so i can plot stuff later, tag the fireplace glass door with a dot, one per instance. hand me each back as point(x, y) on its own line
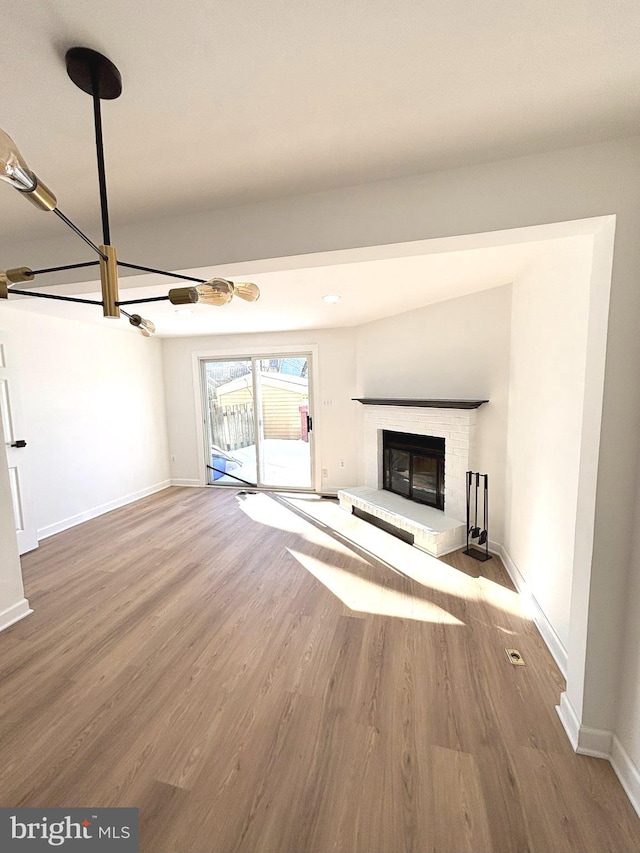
point(398, 472)
point(425, 479)
point(413, 466)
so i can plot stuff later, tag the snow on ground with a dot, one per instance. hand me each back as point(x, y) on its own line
point(285, 463)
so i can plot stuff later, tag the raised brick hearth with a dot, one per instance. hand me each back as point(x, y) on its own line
point(436, 532)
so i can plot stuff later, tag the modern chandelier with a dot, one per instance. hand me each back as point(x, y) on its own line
point(98, 76)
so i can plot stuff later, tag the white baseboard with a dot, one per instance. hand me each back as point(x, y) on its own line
point(595, 742)
point(569, 720)
point(627, 772)
point(191, 483)
point(66, 523)
point(14, 613)
point(495, 548)
point(599, 743)
point(547, 632)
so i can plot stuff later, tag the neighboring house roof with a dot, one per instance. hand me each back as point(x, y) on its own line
point(283, 381)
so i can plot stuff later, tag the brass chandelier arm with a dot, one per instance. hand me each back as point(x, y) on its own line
point(41, 195)
point(109, 282)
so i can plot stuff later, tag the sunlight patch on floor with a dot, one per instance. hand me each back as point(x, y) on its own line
point(421, 567)
point(429, 572)
point(263, 509)
point(365, 596)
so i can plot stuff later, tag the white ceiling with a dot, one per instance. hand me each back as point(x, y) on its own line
point(291, 297)
point(233, 102)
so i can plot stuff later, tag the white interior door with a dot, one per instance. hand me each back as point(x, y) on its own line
point(16, 449)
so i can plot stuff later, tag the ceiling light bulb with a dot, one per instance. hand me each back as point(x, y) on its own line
point(217, 291)
point(15, 171)
point(146, 327)
point(331, 298)
point(13, 168)
point(246, 290)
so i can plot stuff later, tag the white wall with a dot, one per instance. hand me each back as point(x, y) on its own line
point(458, 348)
point(570, 184)
point(546, 395)
point(94, 420)
point(336, 415)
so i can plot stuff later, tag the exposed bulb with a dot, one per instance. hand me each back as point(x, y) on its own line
point(216, 291)
point(246, 290)
point(13, 168)
point(5, 284)
point(146, 327)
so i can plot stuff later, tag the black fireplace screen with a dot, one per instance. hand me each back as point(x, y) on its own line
point(413, 466)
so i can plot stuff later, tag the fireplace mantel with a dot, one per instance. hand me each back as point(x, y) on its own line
point(424, 404)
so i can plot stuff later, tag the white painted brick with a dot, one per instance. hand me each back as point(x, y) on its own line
point(456, 426)
point(460, 442)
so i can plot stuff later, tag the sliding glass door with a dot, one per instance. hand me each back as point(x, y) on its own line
point(259, 424)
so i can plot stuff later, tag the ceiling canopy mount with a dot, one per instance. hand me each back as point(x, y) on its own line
point(93, 73)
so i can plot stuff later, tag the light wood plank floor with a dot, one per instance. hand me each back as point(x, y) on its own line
point(191, 654)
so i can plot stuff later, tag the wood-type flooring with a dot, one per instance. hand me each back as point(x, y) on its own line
point(251, 683)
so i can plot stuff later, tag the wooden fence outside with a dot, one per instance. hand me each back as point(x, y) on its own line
point(232, 427)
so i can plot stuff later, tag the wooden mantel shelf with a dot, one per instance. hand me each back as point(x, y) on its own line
point(426, 404)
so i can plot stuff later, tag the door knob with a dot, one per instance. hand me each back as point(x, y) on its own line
point(20, 443)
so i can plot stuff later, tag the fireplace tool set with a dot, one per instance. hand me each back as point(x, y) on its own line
point(474, 531)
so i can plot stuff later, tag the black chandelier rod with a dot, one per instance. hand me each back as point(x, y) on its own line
point(65, 267)
point(162, 272)
point(140, 301)
point(40, 295)
point(102, 176)
point(233, 476)
point(80, 233)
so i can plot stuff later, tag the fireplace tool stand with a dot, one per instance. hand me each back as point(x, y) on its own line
point(473, 530)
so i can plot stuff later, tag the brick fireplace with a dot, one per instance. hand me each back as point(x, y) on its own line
point(454, 421)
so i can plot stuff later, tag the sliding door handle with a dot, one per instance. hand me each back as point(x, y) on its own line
point(20, 443)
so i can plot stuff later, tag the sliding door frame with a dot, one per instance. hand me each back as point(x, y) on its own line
point(231, 354)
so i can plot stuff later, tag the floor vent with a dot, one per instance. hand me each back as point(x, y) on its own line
point(515, 657)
